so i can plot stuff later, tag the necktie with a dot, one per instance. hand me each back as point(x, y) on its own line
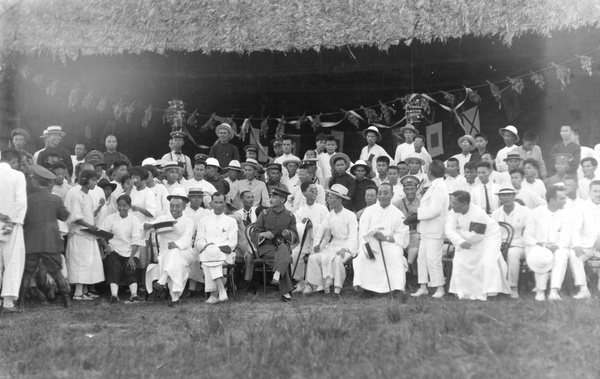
point(248, 216)
point(488, 210)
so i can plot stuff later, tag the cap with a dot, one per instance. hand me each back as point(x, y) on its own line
point(19, 131)
point(277, 141)
point(274, 166)
point(178, 134)
point(250, 162)
point(251, 148)
point(42, 172)
point(409, 179)
point(280, 192)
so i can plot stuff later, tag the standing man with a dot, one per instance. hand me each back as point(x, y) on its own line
point(483, 194)
point(381, 226)
point(432, 214)
point(54, 136)
point(516, 215)
point(112, 155)
point(481, 142)
point(372, 151)
point(175, 155)
point(78, 158)
point(286, 144)
point(467, 145)
point(566, 146)
point(13, 208)
point(223, 150)
point(258, 188)
point(510, 135)
point(335, 242)
point(478, 269)
point(274, 232)
point(403, 150)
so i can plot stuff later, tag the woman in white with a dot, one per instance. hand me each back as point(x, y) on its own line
point(143, 207)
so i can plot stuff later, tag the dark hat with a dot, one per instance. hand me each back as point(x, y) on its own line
point(178, 134)
point(162, 227)
point(230, 205)
point(96, 162)
point(277, 141)
point(280, 192)
point(251, 148)
point(409, 179)
point(105, 183)
point(200, 157)
point(563, 157)
point(42, 173)
point(19, 131)
point(274, 166)
point(94, 154)
point(513, 156)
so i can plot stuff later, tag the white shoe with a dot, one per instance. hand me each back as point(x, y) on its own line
point(439, 293)
point(583, 294)
point(212, 300)
point(420, 292)
point(540, 296)
point(307, 290)
point(514, 294)
point(554, 296)
point(223, 297)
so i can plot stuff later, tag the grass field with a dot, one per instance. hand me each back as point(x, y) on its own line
point(315, 337)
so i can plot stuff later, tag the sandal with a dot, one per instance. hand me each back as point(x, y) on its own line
point(84, 297)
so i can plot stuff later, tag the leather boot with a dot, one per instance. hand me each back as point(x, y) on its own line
point(63, 288)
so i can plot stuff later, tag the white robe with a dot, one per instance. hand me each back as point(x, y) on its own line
point(371, 274)
point(316, 213)
point(13, 203)
point(479, 271)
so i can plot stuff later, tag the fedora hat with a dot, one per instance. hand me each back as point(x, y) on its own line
point(360, 163)
point(213, 162)
point(336, 156)
point(105, 183)
point(339, 191)
point(540, 259)
point(178, 193)
point(280, 192)
point(212, 256)
point(234, 165)
point(226, 127)
point(56, 130)
point(512, 129)
point(512, 156)
point(374, 130)
point(250, 162)
point(414, 157)
point(19, 131)
point(408, 127)
point(468, 138)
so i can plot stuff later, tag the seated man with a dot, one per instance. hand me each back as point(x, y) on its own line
point(409, 205)
point(220, 230)
point(483, 194)
point(531, 199)
point(547, 239)
point(516, 216)
point(478, 270)
point(175, 253)
point(335, 242)
point(589, 238)
point(274, 232)
point(382, 227)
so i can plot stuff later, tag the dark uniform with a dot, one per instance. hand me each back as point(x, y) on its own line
point(277, 250)
point(42, 238)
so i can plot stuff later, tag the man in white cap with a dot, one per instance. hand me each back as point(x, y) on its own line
point(467, 145)
point(222, 231)
point(175, 155)
point(510, 135)
point(478, 269)
point(223, 151)
point(258, 188)
point(551, 228)
point(516, 215)
point(372, 151)
point(54, 136)
point(175, 253)
point(409, 132)
point(13, 208)
point(381, 227)
point(566, 146)
point(335, 242)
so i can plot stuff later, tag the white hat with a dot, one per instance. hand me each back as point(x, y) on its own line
point(234, 165)
point(507, 190)
point(212, 256)
point(372, 129)
point(55, 130)
point(414, 157)
point(179, 193)
point(214, 163)
point(149, 161)
point(169, 164)
point(339, 191)
point(540, 259)
point(511, 129)
point(164, 226)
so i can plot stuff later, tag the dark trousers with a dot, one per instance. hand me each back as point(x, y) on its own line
point(51, 262)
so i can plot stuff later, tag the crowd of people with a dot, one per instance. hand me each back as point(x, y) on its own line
point(74, 224)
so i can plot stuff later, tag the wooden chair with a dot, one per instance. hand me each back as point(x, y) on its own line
point(260, 265)
point(507, 241)
point(592, 271)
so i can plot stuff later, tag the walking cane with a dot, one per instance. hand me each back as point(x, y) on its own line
point(306, 229)
point(386, 270)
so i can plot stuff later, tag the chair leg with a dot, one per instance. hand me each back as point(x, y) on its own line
point(264, 280)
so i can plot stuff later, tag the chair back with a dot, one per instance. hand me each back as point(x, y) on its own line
point(507, 237)
point(248, 234)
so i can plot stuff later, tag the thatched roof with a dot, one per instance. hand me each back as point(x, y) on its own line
point(68, 28)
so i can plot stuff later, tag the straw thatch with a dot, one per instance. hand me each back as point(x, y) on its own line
point(68, 28)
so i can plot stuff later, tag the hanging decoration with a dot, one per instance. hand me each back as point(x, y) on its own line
point(473, 95)
point(538, 79)
point(353, 117)
point(450, 98)
point(192, 121)
point(496, 93)
point(516, 84)
point(174, 115)
point(280, 129)
point(74, 97)
point(209, 124)
point(371, 115)
point(246, 125)
point(562, 74)
point(264, 127)
point(386, 112)
point(147, 117)
point(315, 122)
point(129, 112)
point(52, 88)
point(586, 63)
point(119, 110)
point(87, 101)
point(415, 105)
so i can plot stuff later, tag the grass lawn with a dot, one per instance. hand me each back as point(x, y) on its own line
point(315, 337)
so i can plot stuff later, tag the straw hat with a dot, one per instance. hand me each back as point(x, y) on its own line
point(164, 226)
point(250, 162)
point(178, 193)
point(226, 127)
point(408, 127)
point(339, 191)
point(336, 156)
point(506, 190)
point(512, 156)
point(468, 138)
point(55, 130)
point(414, 157)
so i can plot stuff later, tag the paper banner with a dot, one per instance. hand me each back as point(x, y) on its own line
point(326, 124)
point(435, 145)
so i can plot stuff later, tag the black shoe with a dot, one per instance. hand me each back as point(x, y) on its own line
point(66, 299)
point(114, 299)
point(174, 304)
point(286, 299)
point(366, 294)
point(336, 296)
point(157, 286)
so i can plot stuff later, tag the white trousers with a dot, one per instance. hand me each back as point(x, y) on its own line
point(12, 262)
point(562, 257)
point(211, 273)
point(429, 261)
point(334, 274)
point(513, 260)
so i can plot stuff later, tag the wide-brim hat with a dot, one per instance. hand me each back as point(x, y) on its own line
point(540, 259)
point(251, 147)
point(19, 131)
point(234, 165)
point(295, 160)
point(149, 162)
point(280, 192)
point(513, 156)
point(226, 127)
point(213, 162)
point(339, 191)
point(178, 193)
point(164, 226)
point(506, 190)
point(250, 162)
point(414, 157)
point(55, 129)
point(178, 134)
point(195, 191)
point(42, 172)
point(44, 133)
point(212, 256)
point(374, 130)
point(336, 156)
point(105, 183)
point(512, 129)
point(360, 163)
point(408, 127)
point(410, 179)
point(468, 138)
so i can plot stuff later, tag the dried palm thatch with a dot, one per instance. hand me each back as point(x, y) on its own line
point(69, 28)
